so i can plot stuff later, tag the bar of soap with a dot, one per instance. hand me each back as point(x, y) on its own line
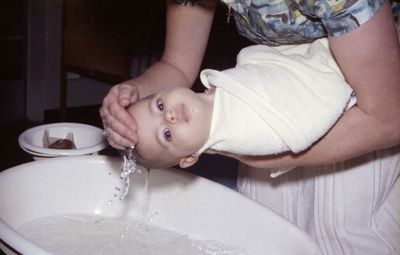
point(62, 144)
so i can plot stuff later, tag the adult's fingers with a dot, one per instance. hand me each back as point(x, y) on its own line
point(127, 95)
point(119, 132)
point(122, 122)
point(115, 140)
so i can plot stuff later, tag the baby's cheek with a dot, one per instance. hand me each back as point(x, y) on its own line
point(190, 141)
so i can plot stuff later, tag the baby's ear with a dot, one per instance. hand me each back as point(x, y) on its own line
point(188, 160)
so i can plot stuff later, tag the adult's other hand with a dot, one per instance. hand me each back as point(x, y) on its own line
point(119, 127)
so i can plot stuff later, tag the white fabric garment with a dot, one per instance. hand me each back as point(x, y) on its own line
point(276, 99)
point(349, 208)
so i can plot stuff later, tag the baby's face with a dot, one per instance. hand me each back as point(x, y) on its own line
point(172, 124)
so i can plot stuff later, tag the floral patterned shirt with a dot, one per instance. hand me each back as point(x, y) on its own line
point(275, 22)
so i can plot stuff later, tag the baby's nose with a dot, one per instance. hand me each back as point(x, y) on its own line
point(170, 115)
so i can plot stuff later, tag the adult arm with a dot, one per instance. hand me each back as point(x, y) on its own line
point(369, 58)
point(187, 33)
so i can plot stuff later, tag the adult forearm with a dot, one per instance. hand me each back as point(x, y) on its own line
point(370, 60)
point(187, 32)
point(355, 134)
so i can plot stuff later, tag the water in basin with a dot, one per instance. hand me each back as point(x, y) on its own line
point(89, 235)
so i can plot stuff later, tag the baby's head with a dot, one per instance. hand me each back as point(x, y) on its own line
point(172, 126)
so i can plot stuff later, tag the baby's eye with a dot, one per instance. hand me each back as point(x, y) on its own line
point(160, 104)
point(167, 134)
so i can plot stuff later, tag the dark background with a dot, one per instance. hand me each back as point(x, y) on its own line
point(41, 41)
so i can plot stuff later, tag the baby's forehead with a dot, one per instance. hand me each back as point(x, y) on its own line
point(155, 158)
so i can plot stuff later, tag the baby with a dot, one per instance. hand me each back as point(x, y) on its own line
point(275, 100)
point(172, 126)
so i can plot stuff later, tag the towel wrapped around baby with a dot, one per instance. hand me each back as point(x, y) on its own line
point(276, 99)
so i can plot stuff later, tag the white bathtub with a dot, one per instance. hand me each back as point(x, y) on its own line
point(177, 201)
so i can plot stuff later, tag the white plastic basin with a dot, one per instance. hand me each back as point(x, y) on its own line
point(177, 201)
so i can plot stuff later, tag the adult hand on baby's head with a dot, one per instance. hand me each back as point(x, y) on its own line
point(119, 126)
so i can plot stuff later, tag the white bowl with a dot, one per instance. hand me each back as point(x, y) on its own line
point(88, 139)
